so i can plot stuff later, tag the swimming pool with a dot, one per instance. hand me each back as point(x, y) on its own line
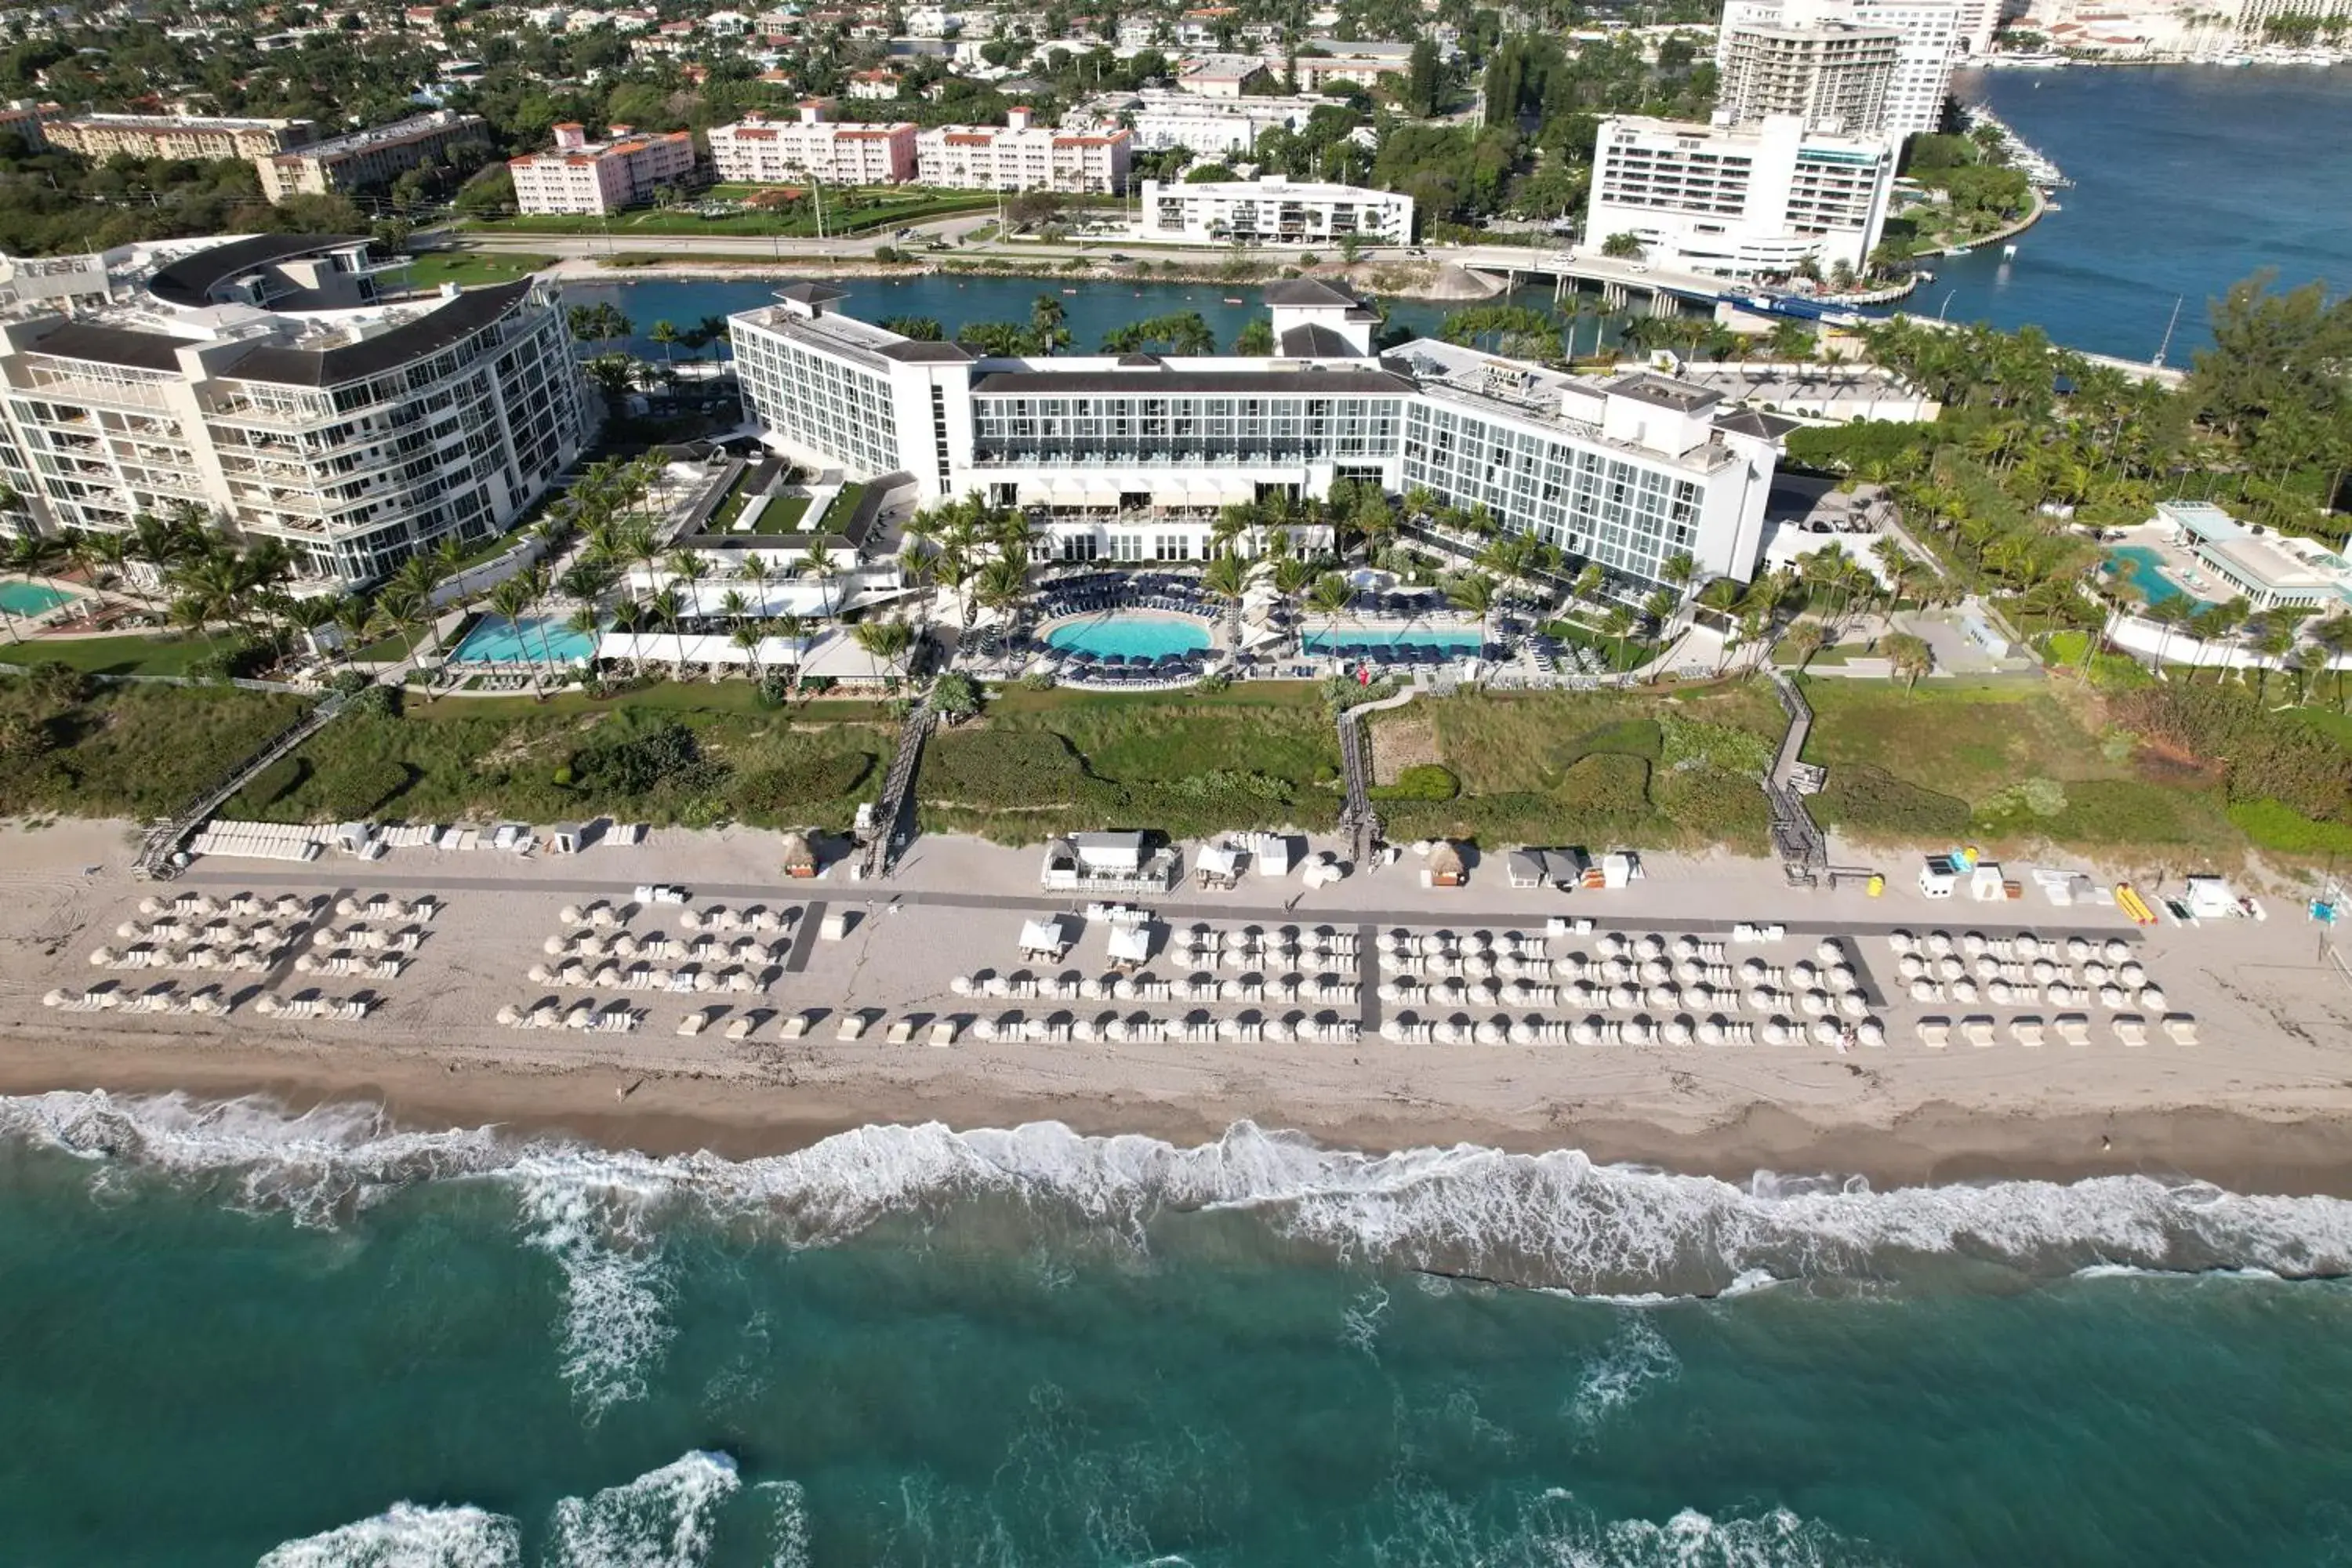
point(2143, 569)
point(1333, 639)
point(19, 597)
point(1131, 634)
point(534, 639)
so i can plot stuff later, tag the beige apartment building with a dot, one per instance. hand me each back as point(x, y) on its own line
point(758, 151)
point(101, 136)
point(1020, 156)
point(597, 177)
point(366, 158)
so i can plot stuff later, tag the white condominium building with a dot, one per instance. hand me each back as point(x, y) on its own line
point(264, 380)
point(1931, 35)
point(1272, 210)
point(1739, 201)
point(1129, 458)
point(583, 176)
point(760, 151)
point(98, 137)
point(1833, 77)
point(1210, 127)
point(1022, 156)
point(367, 158)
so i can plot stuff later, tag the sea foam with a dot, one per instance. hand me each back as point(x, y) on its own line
point(408, 1536)
point(1554, 1220)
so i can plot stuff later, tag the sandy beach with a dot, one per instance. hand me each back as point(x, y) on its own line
point(2260, 1102)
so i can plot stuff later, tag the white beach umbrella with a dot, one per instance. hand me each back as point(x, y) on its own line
point(1972, 943)
point(1939, 943)
point(2152, 998)
point(1610, 945)
point(2116, 950)
point(2095, 972)
point(1825, 1033)
point(1677, 1031)
point(1685, 948)
point(1964, 990)
point(1813, 1004)
point(1775, 1031)
point(1636, 1030)
point(2130, 975)
point(1871, 1032)
point(1710, 1031)
point(1852, 1004)
point(1585, 1031)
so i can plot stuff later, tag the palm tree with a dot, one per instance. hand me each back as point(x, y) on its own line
point(748, 640)
point(1045, 314)
point(666, 608)
point(1679, 569)
point(734, 607)
point(2170, 613)
point(666, 334)
point(2335, 634)
point(1004, 586)
point(1658, 609)
point(818, 564)
point(1226, 579)
point(510, 601)
point(1910, 655)
point(1805, 639)
point(1293, 575)
point(584, 622)
point(1588, 581)
point(1474, 591)
point(1331, 594)
point(628, 616)
point(37, 555)
point(885, 640)
point(754, 569)
point(403, 609)
point(791, 628)
point(1615, 623)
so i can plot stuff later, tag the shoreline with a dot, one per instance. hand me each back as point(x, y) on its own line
point(2259, 1103)
point(663, 1114)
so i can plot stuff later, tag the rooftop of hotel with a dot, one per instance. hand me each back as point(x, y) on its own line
point(166, 299)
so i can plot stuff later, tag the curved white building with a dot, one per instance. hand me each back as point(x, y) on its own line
point(266, 381)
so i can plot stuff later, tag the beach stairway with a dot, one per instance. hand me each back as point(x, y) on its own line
point(1358, 819)
point(889, 834)
point(1804, 848)
point(157, 854)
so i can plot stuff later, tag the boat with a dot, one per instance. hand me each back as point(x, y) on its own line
point(1235, 299)
point(1069, 291)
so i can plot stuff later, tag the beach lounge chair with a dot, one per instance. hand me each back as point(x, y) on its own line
point(1978, 1032)
point(852, 1027)
point(2026, 1031)
point(694, 1023)
point(944, 1031)
point(741, 1029)
point(2183, 1028)
point(793, 1026)
point(902, 1031)
point(2131, 1029)
point(1934, 1033)
point(2073, 1029)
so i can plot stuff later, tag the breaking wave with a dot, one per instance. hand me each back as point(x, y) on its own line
point(407, 1536)
point(1637, 1358)
point(1555, 1531)
point(1555, 1220)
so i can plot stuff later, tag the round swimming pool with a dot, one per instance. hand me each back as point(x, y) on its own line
point(1129, 633)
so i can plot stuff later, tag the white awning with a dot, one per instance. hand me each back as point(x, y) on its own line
point(1042, 936)
point(1131, 943)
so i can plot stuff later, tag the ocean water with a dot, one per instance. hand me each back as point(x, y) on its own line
point(2187, 178)
point(234, 1337)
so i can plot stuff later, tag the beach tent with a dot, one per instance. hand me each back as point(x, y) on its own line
point(563, 838)
point(1130, 942)
point(1525, 869)
point(1044, 938)
point(797, 855)
point(1218, 866)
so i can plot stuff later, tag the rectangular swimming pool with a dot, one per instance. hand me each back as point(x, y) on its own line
point(1331, 639)
point(534, 639)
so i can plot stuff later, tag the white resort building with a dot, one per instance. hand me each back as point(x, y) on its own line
point(1129, 458)
point(1739, 201)
point(266, 382)
point(1272, 210)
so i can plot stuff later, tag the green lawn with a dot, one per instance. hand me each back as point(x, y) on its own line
point(1630, 652)
point(846, 213)
point(169, 653)
point(781, 515)
point(844, 507)
point(472, 268)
